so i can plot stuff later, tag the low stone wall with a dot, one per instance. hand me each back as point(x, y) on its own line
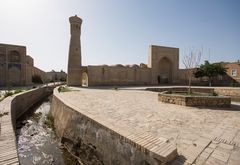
point(88, 137)
point(207, 101)
point(173, 99)
point(233, 92)
point(182, 89)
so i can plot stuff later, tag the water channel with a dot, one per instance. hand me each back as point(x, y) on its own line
point(37, 143)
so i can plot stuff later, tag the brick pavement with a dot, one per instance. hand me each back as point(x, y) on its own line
point(8, 148)
point(194, 131)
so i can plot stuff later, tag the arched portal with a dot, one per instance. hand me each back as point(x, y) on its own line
point(84, 79)
point(165, 71)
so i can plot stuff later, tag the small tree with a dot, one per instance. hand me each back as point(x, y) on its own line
point(36, 79)
point(210, 71)
point(62, 79)
point(191, 60)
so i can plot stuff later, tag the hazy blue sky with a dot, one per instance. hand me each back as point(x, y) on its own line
point(121, 31)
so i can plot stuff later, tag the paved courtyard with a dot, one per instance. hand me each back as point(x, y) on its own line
point(201, 135)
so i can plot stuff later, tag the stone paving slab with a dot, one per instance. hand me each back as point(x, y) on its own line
point(186, 127)
point(222, 146)
point(194, 151)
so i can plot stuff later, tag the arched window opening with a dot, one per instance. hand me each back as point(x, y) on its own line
point(14, 56)
point(84, 79)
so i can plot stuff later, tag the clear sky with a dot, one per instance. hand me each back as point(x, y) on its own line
point(120, 31)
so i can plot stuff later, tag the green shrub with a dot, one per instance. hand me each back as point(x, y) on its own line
point(214, 93)
point(62, 79)
point(115, 88)
point(18, 91)
point(8, 93)
point(233, 83)
point(49, 122)
point(36, 79)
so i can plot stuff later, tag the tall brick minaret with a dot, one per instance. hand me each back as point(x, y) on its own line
point(74, 77)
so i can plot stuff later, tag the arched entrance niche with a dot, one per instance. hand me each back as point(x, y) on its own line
point(14, 68)
point(84, 79)
point(165, 71)
point(14, 74)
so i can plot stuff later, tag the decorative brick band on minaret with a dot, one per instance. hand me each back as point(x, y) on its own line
point(74, 56)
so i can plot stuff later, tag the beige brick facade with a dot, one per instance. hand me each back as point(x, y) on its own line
point(74, 57)
point(233, 70)
point(17, 68)
point(162, 66)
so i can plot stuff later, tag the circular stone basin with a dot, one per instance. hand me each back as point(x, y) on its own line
point(194, 99)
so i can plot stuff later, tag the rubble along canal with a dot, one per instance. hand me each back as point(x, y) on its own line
point(36, 139)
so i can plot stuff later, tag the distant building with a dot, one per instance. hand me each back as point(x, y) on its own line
point(17, 68)
point(162, 67)
point(233, 70)
point(54, 76)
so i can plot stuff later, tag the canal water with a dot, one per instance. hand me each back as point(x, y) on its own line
point(37, 143)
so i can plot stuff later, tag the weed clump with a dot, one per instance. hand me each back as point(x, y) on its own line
point(63, 89)
point(3, 114)
point(214, 94)
point(49, 122)
point(18, 91)
point(8, 93)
